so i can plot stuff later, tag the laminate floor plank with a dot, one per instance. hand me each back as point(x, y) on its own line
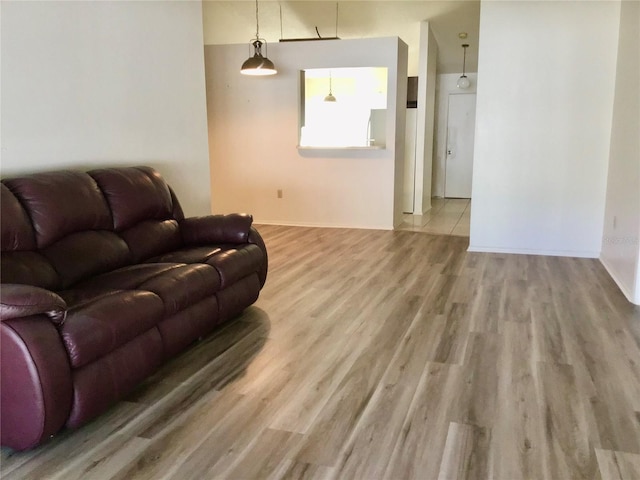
point(55, 456)
point(476, 402)
point(516, 301)
point(548, 334)
point(451, 340)
point(268, 455)
point(618, 465)
point(485, 309)
point(466, 453)
point(628, 464)
point(419, 447)
point(612, 397)
point(385, 355)
point(190, 441)
point(517, 438)
point(243, 426)
point(312, 386)
point(168, 446)
point(608, 465)
point(568, 433)
point(351, 397)
point(366, 453)
point(106, 462)
point(301, 471)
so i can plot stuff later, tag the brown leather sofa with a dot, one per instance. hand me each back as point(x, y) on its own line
point(104, 279)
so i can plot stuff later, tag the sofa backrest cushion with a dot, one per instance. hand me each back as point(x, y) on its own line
point(61, 203)
point(17, 232)
point(151, 238)
point(28, 268)
point(62, 227)
point(134, 194)
point(19, 262)
point(72, 224)
point(83, 254)
point(143, 209)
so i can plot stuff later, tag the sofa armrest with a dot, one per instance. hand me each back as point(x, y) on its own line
point(18, 301)
point(256, 239)
point(35, 381)
point(216, 229)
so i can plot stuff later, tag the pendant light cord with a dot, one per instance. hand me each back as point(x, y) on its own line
point(464, 57)
point(464, 60)
point(257, 24)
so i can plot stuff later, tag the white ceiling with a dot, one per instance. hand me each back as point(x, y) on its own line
point(234, 22)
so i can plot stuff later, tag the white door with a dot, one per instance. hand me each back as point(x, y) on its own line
point(461, 125)
point(408, 191)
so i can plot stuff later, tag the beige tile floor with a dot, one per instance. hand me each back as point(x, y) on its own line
point(448, 216)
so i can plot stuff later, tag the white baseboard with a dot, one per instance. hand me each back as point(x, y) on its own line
point(319, 225)
point(623, 288)
point(526, 251)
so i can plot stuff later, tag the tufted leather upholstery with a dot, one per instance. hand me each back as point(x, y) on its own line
point(103, 279)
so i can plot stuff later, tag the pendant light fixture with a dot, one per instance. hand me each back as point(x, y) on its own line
point(330, 97)
point(258, 65)
point(463, 81)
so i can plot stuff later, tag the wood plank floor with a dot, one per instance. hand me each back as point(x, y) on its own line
point(385, 355)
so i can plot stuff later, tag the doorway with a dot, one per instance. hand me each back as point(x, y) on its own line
point(461, 119)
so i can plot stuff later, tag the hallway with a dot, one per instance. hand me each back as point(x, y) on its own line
point(448, 216)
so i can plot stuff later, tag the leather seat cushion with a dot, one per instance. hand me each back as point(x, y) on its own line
point(184, 286)
point(100, 325)
point(178, 285)
point(99, 384)
point(126, 278)
point(232, 262)
point(188, 255)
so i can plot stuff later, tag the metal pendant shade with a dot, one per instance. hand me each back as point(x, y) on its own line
point(258, 65)
point(330, 97)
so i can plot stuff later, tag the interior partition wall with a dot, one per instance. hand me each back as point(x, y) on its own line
point(256, 163)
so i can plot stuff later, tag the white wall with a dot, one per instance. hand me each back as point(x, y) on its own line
point(425, 119)
point(89, 84)
point(446, 84)
point(398, 130)
point(544, 109)
point(253, 134)
point(636, 298)
point(620, 244)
